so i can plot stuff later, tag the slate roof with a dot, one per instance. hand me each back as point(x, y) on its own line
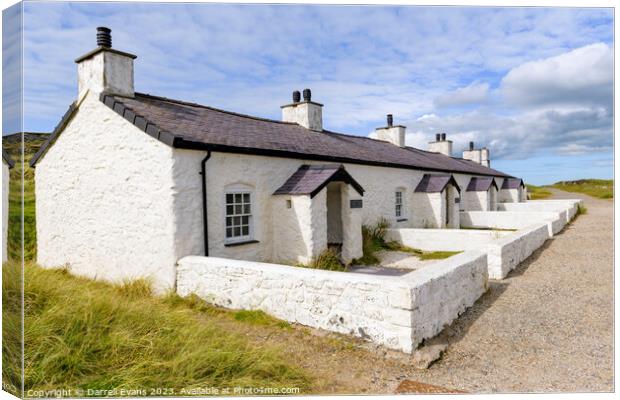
point(435, 183)
point(310, 179)
point(512, 183)
point(478, 184)
point(7, 159)
point(194, 126)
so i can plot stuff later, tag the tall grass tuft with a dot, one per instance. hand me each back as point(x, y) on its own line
point(373, 240)
point(83, 334)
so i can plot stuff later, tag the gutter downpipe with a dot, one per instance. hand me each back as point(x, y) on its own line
point(203, 172)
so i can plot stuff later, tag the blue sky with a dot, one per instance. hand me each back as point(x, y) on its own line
point(534, 85)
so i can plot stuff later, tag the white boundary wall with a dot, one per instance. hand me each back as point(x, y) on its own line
point(397, 312)
point(514, 220)
point(505, 250)
point(506, 253)
point(569, 206)
point(444, 239)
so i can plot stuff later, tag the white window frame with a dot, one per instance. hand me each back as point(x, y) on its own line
point(251, 215)
point(399, 207)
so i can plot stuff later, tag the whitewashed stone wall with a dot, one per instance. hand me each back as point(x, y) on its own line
point(5, 208)
point(509, 195)
point(104, 200)
point(506, 253)
point(505, 249)
point(445, 239)
point(397, 312)
point(513, 220)
point(476, 201)
point(543, 205)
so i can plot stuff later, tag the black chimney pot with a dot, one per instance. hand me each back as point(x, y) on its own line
point(307, 95)
point(471, 146)
point(443, 137)
point(390, 120)
point(296, 96)
point(438, 137)
point(104, 39)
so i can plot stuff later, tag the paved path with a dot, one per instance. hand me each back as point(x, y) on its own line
point(548, 326)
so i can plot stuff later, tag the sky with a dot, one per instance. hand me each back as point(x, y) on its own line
point(534, 85)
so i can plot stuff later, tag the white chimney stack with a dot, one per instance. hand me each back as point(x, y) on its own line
point(105, 69)
point(394, 134)
point(305, 113)
point(479, 156)
point(441, 145)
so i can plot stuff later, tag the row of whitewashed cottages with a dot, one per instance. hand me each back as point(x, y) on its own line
point(130, 182)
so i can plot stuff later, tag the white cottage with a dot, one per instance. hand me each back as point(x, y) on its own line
point(7, 164)
point(129, 183)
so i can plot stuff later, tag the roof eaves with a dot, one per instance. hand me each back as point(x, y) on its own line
point(137, 120)
point(7, 159)
point(50, 141)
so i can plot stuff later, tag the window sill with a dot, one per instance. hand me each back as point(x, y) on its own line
point(233, 244)
point(402, 220)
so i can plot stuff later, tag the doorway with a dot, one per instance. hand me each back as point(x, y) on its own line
point(334, 217)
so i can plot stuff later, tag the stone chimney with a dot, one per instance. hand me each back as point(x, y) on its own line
point(394, 134)
point(105, 69)
point(479, 156)
point(306, 113)
point(441, 145)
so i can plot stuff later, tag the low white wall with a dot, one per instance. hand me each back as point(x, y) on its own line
point(506, 253)
point(542, 205)
point(505, 249)
point(444, 239)
point(513, 220)
point(398, 312)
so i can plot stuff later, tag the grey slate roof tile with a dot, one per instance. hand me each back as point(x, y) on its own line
point(310, 179)
point(512, 183)
point(435, 183)
point(480, 184)
point(195, 126)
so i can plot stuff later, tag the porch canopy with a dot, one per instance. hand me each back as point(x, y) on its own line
point(478, 184)
point(512, 183)
point(436, 183)
point(310, 179)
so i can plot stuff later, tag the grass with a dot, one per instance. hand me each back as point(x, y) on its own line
point(328, 260)
point(373, 237)
point(599, 188)
point(537, 192)
point(421, 254)
point(84, 334)
point(13, 146)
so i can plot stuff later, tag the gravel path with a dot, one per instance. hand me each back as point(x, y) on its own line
point(548, 327)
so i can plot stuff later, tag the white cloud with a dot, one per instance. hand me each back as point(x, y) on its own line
point(583, 76)
point(475, 93)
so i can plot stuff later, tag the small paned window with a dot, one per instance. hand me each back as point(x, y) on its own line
point(398, 205)
point(238, 216)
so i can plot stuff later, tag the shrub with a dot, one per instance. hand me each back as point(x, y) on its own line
point(328, 260)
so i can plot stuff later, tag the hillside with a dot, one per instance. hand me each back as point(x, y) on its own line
point(12, 145)
point(599, 188)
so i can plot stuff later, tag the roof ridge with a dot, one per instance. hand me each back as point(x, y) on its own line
point(192, 104)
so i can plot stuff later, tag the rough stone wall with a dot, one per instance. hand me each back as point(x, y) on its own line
point(306, 114)
point(292, 242)
point(476, 201)
point(506, 253)
point(513, 220)
point(445, 239)
point(104, 203)
point(106, 71)
point(5, 208)
point(509, 196)
point(351, 225)
point(429, 210)
point(397, 312)
point(542, 205)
